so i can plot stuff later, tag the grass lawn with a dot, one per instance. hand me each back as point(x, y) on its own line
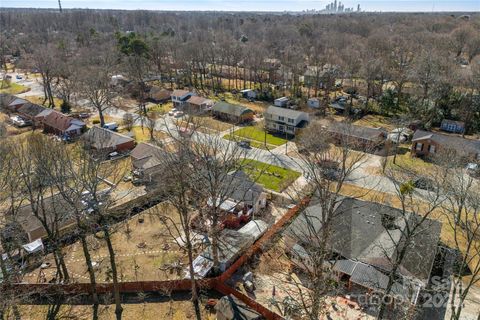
point(256, 134)
point(271, 177)
point(376, 121)
point(160, 108)
point(144, 135)
point(406, 161)
point(211, 123)
point(12, 88)
point(39, 100)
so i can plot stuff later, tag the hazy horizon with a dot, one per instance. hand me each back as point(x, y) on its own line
point(251, 5)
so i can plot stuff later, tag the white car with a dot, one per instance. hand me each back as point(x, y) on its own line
point(178, 114)
point(172, 112)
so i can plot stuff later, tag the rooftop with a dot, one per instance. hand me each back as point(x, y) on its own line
point(348, 129)
point(146, 156)
point(101, 138)
point(284, 112)
point(180, 93)
point(369, 232)
point(232, 109)
point(459, 144)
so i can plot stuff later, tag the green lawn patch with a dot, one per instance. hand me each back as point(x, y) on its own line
point(269, 176)
point(12, 88)
point(257, 134)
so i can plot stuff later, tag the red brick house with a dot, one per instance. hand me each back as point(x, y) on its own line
point(59, 124)
point(425, 143)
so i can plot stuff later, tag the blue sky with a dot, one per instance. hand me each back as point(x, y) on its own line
point(250, 5)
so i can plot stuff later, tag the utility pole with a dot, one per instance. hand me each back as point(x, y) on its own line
point(60, 5)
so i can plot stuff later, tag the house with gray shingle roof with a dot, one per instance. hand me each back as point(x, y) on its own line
point(362, 138)
point(147, 161)
point(426, 143)
point(365, 237)
point(106, 141)
point(232, 112)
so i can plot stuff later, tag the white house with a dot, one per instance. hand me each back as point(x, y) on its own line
point(180, 97)
point(285, 120)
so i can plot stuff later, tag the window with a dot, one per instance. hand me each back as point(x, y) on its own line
point(290, 128)
point(291, 120)
point(281, 118)
point(419, 146)
point(431, 148)
point(281, 128)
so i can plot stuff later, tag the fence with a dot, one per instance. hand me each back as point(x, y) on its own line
point(172, 286)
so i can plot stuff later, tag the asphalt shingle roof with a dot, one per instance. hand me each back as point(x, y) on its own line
point(283, 112)
point(459, 144)
point(228, 108)
point(101, 138)
point(360, 232)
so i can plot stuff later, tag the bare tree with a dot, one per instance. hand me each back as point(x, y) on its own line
point(327, 167)
point(461, 209)
point(412, 225)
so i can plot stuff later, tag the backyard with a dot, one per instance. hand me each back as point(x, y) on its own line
point(269, 176)
point(257, 137)
point(144, 251)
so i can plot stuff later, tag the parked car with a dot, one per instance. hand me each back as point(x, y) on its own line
point(244, 144)
point(19, 77)
point(172, 112)
point(20, 122)
point(111, 126)
point(178, 114)
point(114, 155)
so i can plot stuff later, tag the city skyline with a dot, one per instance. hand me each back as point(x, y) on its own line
point(250, 5)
